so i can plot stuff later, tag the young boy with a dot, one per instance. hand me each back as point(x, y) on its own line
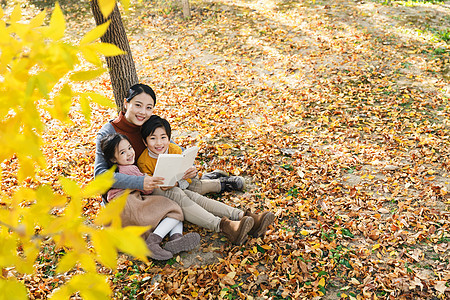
point(197, 209)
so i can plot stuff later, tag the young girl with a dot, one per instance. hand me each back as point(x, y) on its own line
point(162, 214)
point(197, 209)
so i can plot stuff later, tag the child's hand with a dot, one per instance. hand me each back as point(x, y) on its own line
point(151, 183)
point(190, 173)
point(165, 188)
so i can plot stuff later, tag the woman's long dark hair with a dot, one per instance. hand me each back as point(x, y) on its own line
point(138, 89)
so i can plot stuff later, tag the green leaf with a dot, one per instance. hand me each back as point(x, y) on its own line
point(260, 249)
point(346, 232)
point(287, 167)
point(95, 33)
point(322, 289)
point(345, 263)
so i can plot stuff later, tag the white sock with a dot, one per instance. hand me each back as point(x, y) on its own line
point(177, 229)
point(166, 226)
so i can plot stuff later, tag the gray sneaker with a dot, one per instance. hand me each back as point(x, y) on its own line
point(216, 174)
point(232, 183)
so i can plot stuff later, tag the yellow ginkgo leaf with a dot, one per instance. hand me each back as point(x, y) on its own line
point(95, 33)
point(322, 281)
point(57, 25)
point(106, 7)
point(87, 75)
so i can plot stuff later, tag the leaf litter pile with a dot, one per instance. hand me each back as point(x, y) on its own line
point(337, 115)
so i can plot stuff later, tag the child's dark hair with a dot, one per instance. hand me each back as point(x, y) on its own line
point(149, 127)
point(138, 89)
point(109, 145)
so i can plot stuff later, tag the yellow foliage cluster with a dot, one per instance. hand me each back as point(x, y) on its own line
point(34, 58)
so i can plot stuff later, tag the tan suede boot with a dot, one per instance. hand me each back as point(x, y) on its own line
point(261, 222)
point(156, 252)
point(236, 231)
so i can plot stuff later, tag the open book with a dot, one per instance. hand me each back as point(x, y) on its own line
point(173, 166)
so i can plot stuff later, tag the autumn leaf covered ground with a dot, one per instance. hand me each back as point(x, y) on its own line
point(335, 112)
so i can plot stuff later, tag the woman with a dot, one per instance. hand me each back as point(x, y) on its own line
point(137, 108)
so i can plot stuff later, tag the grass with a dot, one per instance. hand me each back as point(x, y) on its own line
point(414, 2)
point(444, 35)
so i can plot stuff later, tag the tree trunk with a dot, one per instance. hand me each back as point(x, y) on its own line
point(121, 68)
point(186, 9)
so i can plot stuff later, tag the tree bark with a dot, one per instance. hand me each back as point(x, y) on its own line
point(121, 68)
point(186, 9)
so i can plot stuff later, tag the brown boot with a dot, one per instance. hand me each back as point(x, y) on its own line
point(236, 231)
point(261, 222)
point(156, 252)
point(179, 242)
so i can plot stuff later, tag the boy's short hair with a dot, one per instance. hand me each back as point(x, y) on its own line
point(149, 127)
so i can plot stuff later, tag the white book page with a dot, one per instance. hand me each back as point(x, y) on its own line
point(173, 166)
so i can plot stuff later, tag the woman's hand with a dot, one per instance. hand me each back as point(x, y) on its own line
point(151, 183)
point(190, 173)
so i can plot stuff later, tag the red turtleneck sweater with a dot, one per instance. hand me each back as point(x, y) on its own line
point(132, 132)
